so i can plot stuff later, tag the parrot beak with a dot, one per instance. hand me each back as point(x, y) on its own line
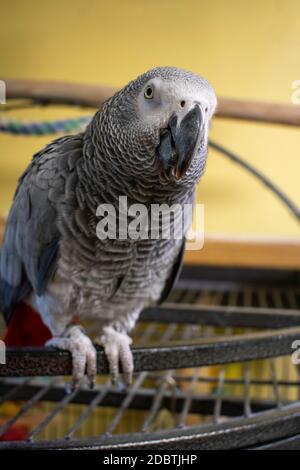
point(179, 143)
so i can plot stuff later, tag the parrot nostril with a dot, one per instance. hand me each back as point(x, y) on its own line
point(182, 103)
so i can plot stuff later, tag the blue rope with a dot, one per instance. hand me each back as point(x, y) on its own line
point(43, 127)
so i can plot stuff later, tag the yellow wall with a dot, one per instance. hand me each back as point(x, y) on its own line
point(246, 49)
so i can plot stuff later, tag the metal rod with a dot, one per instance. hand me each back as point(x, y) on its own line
point(164, 382)
point(275, 382)
point(126, 402)
point(178, 354)
point(88, 410)
point(14, 390)
point(25, 408)
point(223, 315)
point(57, 409)
point(247, 384)
point(219, 396)
point(189, 398)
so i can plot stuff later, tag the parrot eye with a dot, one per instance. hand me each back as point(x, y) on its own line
point(148, 93)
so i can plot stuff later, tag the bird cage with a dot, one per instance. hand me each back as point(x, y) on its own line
point(215, 365)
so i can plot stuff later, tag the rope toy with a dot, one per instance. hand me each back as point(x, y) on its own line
point(13, 126)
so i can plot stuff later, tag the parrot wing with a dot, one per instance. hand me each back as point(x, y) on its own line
point(31, 240)
point(174, 275)
point(178, 263)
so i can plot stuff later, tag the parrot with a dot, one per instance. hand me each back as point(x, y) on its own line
point(148, 142)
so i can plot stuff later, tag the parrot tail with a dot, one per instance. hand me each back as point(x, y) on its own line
point(26, 328)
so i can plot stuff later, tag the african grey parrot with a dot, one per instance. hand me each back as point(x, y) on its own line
point(148, 143)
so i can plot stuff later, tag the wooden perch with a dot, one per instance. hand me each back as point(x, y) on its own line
point(59, 92)
point(94, 95)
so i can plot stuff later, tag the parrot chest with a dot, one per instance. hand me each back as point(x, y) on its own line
point(122, 277)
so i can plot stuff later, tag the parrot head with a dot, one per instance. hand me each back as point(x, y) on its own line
point(158, 125)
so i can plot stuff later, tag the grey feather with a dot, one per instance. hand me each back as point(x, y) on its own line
point(31, 239)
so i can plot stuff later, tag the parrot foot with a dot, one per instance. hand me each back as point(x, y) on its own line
point(84, 355)
point(117, 349)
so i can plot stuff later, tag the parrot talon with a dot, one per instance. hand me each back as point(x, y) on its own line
point(117, 349)
point(84, 355)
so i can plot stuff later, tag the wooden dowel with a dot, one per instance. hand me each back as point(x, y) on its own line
point(59, 92)
point(94, 95)
point(259, 111)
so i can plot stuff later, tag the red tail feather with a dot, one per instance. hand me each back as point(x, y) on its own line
point(26, 328)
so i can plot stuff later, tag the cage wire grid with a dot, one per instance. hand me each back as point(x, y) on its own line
point(213, 370)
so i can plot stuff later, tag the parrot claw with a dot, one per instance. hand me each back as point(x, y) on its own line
point(84, 355)
point(117, 349)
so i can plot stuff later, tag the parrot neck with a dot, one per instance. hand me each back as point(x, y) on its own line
point(109, 172)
